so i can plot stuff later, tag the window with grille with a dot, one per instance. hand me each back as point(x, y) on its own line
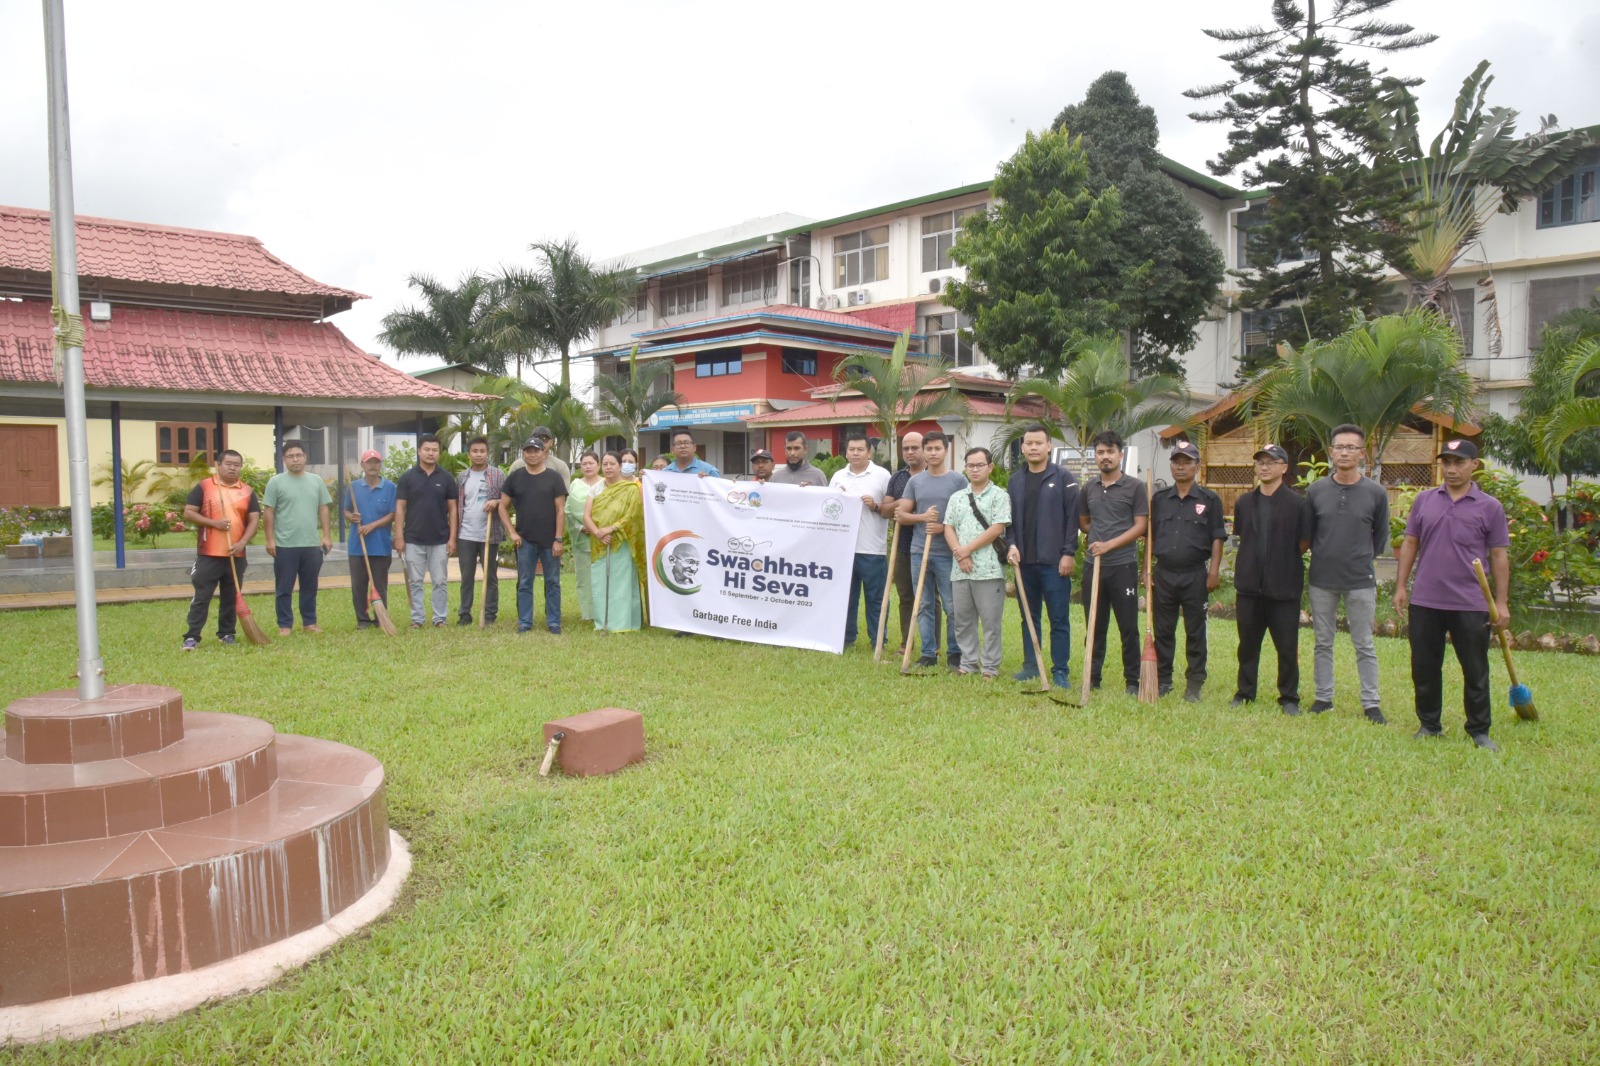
point(638, 310)
point(945, 338)
point(685, 294)
point(939, 234)
point(756, 283)
point(1573, 199)
point(861, 257)
point(178, 443)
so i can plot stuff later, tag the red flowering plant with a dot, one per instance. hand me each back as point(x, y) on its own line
point(1548, 565)
point(146, 522)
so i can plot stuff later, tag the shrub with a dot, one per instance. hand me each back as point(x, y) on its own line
point(144, 522)
point(15, 521)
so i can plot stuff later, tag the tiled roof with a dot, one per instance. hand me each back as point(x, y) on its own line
point(158, 255)
point(143, 349)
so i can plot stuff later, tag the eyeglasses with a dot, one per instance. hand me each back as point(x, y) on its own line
point(1346, 448)
point(978, 466)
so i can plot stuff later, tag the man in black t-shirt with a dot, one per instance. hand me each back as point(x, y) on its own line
point(425, 529)
point(539, 498)
point(1042, 542)
point(1273, 523)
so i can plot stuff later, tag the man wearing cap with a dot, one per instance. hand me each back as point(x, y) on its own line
point(425, 518)
point(798, 469)
point(539, 497)
point(684, 459)
point(1448, 527)
point(1274, 528)
point(480, 533)
point(552, 461)
point(761, 465)
point(1349, 529)
point(369, 508)
point(1186, 522)
point(1113, 511)
point(867, 482)
point(1042, 541)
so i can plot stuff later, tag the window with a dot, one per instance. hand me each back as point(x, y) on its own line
point(638, 310)
point(1244, 240)
point(1556, 296)
point(800, 282)
point(945, 338)
point(939, 233)
point(861, 257)
point(799, 361)
point(1573, 199)
point(686, 293)
point(720, 363)
point(180, 443)
point(755, 283)
point(1256, 330)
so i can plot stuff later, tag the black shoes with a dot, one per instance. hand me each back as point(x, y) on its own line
point(1191, 694)
point(1374, 716)
point(1133, 688)
point(464, 620)
point(1292, 709)
point(1320, 706)
point(1483, 741)
point(1163, 691)
point(928, 660)
point(1239, 701)
point(1428, 734)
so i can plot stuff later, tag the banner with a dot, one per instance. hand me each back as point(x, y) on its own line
point(769, 564)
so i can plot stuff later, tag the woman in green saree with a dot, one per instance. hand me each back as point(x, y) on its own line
point(614, 518)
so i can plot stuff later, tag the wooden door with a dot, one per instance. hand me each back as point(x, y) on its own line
point(30, 474)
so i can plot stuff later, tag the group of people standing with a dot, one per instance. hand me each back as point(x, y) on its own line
point(958, 535)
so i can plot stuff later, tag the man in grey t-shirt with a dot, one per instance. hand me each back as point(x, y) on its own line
point(797, 470)
point(923, 506)
point(1349, 528)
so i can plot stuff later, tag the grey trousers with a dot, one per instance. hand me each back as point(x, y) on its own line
point(1360, 606)
point(978, 603)
point(430, 561)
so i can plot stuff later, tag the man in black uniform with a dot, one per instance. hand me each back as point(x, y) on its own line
point(1274, 526)
point(1186, 521)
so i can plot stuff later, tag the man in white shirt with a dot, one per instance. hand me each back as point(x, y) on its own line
point(867, 482)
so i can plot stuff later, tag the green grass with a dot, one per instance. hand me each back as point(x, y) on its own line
point(821, 861)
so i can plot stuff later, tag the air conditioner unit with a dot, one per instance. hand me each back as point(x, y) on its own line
point(935, 284)
point(859, 296)
point(829, 302)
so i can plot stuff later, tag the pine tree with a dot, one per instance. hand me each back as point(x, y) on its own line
point(1040, 269)
point(1161, 238)
point(1305, 123)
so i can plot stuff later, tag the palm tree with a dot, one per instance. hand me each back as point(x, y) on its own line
point(449, 325)
point(1578, 412)
point(517, 408)
point(559, 304)
point(1098, 392)
point(898, 392)
point(631, 401)
point(1374, 375)
point(1475, 167)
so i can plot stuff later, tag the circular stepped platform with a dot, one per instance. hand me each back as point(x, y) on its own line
point(138, 841)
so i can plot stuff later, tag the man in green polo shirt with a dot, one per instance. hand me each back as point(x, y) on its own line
point(295, 507)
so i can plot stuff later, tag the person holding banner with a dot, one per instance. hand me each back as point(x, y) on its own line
point(685, 461)
point(614, 519)
point(975, 528)
point(923, 506)
point(868, 482)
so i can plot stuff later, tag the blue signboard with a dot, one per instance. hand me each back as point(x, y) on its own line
point(701, 416)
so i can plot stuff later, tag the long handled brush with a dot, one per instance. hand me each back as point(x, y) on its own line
point(916, 600)
point(1149, 682)
point(252, 629)
point(1033, 635)
point(374, 601)
point(1521, 695)
point(490, 560)
point(1088, 646)
point(883, 609)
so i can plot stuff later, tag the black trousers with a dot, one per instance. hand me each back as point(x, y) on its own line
point(905, 588)
point(1469, 632)
point(1185, 591)
point(1119, 595)
point(359, 594)
point(468, 554)
point(1259, 616)
point(212, 574)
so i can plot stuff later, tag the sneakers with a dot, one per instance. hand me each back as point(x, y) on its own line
point(928, 660)
point(1025, 674)
point(464, 620)
point(1132, 688)
point(1163, 691)
point(1427, 734)
point(1320, 706)
point(1483, 741)
point(190, 644)
point(416, 625)
point(1292, 709)
point(554, 631)
point(1239, 701)
point(285, 632)
point(1060, 679)
point(1374, 716)
point(1191, 693)
point(230, 640)
point(953, 660)
point(438, 623)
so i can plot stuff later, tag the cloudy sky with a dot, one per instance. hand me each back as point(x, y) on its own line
point(364, 141)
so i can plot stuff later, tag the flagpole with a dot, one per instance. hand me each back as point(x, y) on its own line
point(69, 346)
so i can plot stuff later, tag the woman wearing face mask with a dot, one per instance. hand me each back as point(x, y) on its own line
point(630, 463)
point(614, 519)
point(586, 484)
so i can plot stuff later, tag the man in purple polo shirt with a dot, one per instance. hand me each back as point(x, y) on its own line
point(1448, 528)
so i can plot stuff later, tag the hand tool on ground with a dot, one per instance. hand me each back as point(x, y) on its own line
point(1088, 647)
point(1149, 680)
point(252, 629)
point(1033, 635)
point(374, 601)
point(550, 753)
point(1521, 695)
point(490, 561)
point(883, 610)
point(916, 601)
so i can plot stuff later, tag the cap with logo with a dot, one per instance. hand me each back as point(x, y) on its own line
point(1272, 451)
point(760, 453)
point(1459, 449)
point(370, 454)
point(1186, 449)
point(536, 442)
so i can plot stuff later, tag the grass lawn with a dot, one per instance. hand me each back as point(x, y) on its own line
point(821, 861)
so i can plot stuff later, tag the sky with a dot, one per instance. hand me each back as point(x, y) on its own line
point(365, 142)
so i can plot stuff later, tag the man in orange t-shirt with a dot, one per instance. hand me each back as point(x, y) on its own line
point(224, 512)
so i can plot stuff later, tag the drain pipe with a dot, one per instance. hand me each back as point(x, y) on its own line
point(1228, 230)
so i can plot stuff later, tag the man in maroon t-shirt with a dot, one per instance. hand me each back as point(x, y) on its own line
point(1448, 528)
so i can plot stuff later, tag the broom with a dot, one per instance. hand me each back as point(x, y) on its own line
point(252, 629)
point(1149, 683)
point(374, 601)
point(916, 600)
point(1521, 695)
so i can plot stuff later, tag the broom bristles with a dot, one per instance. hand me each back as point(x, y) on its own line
point(1149, 685)
point(381, 613)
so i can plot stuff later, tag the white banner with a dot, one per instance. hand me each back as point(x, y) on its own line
point(768, 564)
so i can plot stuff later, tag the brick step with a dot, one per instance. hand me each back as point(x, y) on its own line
point(58, 727)
point(223, 761)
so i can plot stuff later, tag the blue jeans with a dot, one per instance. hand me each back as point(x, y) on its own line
point(869, 572)
point(1048, 593)
point(288, 566)
point(529, 556)
point(935, 594)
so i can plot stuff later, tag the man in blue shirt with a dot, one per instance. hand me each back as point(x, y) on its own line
point(684, 459)
point(369, 508)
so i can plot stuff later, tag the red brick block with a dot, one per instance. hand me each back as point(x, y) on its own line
point(598, 742)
